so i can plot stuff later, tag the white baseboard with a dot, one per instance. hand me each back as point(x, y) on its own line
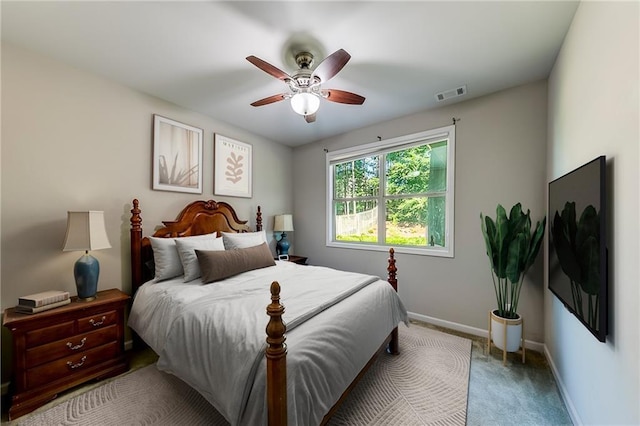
point(571, 409)
point(536, 346)
point(128, 345)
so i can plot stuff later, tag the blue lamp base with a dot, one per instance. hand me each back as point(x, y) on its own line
point(86, 272)
point(282, 247)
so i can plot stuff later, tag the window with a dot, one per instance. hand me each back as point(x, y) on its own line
point(396, 193)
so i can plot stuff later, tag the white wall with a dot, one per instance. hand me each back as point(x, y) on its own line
point(71, 141)
point(500, 158)
point(593, 110)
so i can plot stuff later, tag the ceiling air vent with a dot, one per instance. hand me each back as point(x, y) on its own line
point(452, 93)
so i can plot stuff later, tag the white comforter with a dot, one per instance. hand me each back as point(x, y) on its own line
point(213, 336)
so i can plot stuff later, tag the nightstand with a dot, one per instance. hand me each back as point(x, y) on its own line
point(300, 260)
point(58, 349)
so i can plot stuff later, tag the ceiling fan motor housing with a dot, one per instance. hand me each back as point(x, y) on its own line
point(304, 60)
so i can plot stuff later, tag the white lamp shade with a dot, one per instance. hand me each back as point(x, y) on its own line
point(283, 223)
point(305, 103)
point(85, 231)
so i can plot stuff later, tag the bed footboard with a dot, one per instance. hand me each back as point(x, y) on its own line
point(276, 353)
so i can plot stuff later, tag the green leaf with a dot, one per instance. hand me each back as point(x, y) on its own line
point(501, 241)
point(516, 211)
point(517, 256)
point(488, 231)
point(517, 220)
point(536, 242)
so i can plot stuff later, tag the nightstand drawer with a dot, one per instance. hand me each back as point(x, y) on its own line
point(93, 322)
point(70, 365)
point(70, 346)
point(49, 334)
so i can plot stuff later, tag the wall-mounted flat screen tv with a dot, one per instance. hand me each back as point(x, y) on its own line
point(578, 244)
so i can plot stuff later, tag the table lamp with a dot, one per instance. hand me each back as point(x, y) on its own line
point(86, 231)
point(283, 223)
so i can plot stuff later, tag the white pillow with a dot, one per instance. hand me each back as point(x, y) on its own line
point(241, 240)
point(187, 252)
point(166, 258)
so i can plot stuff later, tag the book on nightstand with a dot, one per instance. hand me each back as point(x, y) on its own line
point(44, 298)
point(31, 310)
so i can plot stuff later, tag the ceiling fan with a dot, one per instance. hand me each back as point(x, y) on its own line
point(305, 85)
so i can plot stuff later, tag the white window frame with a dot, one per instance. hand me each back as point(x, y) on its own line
point(376, 148)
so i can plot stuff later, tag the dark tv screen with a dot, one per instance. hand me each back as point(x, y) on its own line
point(577, 244)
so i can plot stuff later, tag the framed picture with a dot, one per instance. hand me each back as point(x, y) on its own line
point(233, 162)
point(177, 156)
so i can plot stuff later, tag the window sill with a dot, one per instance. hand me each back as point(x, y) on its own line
point(426, 251)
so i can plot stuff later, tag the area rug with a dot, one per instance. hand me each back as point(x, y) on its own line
point(426, 384)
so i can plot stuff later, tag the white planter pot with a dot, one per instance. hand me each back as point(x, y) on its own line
point(506, 333)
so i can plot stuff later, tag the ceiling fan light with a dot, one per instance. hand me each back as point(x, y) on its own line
point(305, 103)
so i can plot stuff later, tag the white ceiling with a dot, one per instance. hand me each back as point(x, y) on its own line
point(403, 53)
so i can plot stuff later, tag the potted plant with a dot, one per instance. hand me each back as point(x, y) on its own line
point(512, 249)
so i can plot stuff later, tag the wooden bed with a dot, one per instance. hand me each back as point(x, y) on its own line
point(205, 217)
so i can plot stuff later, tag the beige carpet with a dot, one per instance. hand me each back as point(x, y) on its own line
point(426, 384)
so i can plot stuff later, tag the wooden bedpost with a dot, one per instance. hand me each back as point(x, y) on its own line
point(392, 270)
point(259, 219)
point(136, 238)
point(276, 361)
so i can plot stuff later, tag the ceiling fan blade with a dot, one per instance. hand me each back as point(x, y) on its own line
point(270, 100)
point(268, 68)
point(310, 118)
point(343, 97)
point(331, 65)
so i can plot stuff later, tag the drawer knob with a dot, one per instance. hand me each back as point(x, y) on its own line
point(74, 366)
point(97, 323)
point(76, 347)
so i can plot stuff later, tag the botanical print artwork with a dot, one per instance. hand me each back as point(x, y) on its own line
point(177, 156)
point(234, 168)
point(178, 160)
point(232, 175)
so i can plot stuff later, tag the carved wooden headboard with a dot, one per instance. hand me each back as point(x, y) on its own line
point(197, 218)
